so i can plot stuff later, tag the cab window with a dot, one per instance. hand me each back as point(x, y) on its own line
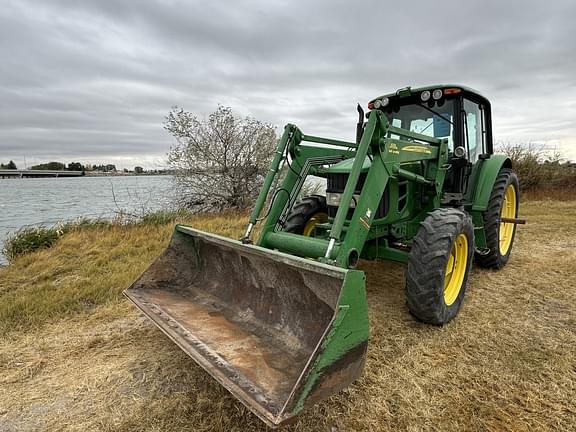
point(473, 127)
point(435, 122)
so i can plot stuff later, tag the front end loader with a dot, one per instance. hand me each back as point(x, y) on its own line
point(282, 321)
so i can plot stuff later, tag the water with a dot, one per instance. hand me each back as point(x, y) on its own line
point(46, 201)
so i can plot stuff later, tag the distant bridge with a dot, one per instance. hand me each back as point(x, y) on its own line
point(6, 173)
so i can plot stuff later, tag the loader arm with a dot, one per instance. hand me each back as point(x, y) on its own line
point(346, 239)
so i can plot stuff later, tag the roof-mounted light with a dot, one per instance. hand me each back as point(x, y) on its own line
point(437, 94)
point(450, 91)
point(379, 103)
point(425, 96)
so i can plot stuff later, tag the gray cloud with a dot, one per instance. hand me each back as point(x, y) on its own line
point(92, 80)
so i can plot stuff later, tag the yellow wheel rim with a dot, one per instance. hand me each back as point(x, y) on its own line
point(312, 222)
point(455, 269)
point(506, 231)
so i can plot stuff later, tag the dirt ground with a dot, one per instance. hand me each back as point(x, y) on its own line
point(506, 363)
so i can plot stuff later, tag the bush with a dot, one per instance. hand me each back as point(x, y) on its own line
point(220, 162)
point(29, 239)
point(538, 169)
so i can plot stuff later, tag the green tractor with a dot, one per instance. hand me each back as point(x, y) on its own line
point(282, 321)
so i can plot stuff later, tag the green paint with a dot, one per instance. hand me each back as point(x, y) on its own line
point(486, 178)
point(345, 166)
point(350, 328)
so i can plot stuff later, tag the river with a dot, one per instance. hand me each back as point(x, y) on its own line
point(46, 201)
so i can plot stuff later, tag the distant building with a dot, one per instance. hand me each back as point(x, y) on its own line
point(138, 170)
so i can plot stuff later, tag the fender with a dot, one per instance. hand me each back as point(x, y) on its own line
point(489, 170)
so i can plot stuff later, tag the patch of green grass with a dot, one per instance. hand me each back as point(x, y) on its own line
point(30, 239)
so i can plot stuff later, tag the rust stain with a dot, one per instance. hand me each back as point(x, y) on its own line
point(270, 363)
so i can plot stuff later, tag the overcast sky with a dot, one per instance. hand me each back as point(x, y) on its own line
point(93, 80)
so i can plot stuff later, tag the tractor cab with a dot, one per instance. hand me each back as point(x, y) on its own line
point(457, 113)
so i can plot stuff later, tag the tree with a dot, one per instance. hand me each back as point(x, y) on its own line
point(219, 162)
point(75, 166)
point(9, 165)
point(138, 170)
point(51, 166)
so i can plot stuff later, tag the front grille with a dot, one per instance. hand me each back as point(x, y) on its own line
point(336, 184)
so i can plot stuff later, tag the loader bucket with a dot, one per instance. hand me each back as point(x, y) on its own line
point(279, 332)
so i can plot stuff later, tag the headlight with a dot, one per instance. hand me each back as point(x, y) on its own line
point(333, 199)
point(425, 96)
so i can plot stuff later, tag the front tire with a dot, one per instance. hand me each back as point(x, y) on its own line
point(503, 202)
point(439, 266)
point(306, 214)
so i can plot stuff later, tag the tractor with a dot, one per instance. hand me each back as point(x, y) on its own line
point(281, 320)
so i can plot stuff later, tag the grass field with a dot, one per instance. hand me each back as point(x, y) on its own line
point(75, 355)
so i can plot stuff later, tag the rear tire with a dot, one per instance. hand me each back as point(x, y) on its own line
point(439, 266)
point(500, 236)
point(306, 214)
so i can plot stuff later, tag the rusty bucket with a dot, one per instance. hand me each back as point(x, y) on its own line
point(278, 331)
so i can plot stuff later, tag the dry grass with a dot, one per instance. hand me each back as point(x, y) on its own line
point(566, 193)
point(75, 356)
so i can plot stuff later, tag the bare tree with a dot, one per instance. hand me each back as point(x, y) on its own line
point(219, 162)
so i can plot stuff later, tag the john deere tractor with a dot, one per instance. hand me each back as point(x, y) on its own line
point(282, 321)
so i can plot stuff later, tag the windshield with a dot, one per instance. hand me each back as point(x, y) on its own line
point(436, 121)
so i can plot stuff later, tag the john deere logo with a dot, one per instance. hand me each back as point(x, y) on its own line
point(417, 149)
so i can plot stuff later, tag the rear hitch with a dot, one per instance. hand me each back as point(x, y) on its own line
point(516, 221)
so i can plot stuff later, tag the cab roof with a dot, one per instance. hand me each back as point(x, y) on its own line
point(408, 91)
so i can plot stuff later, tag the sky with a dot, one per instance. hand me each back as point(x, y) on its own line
point(92, 81)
